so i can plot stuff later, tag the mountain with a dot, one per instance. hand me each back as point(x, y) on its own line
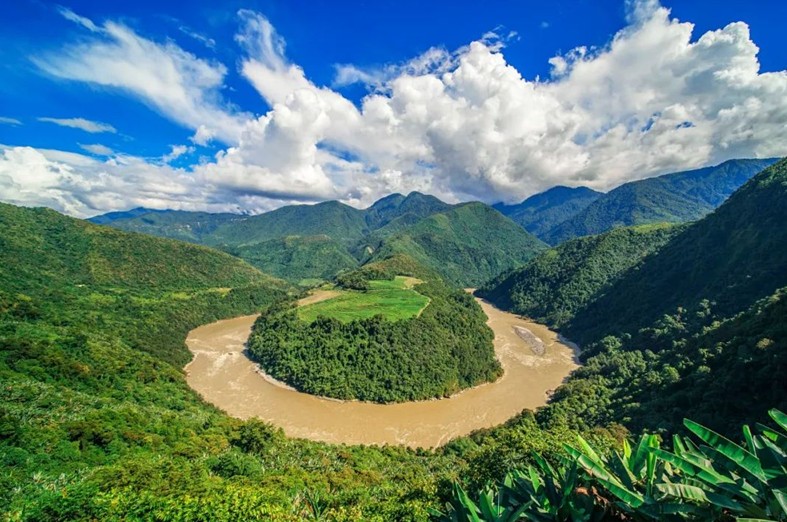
point(300, 259)
point(693, 328)
point(551, 287)
point(331, 218)
point(467, 245)
point(402, 209)
point(541, 212)
point(193, 227)
point(674, 198)
point(731, 258)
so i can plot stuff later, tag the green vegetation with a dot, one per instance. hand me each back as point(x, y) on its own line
point(706, 477)
point(301, 260)
point(686, 331)
point(466, 245)
point(353, 352)
point(675, 198)
point(540, 213)
point(558, 282)
point(393, 300)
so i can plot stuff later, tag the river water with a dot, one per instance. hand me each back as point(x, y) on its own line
point(225, 377)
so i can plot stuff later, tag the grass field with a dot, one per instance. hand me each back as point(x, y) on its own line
point(395, 300)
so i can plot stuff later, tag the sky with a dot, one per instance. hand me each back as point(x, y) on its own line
point(251, 105)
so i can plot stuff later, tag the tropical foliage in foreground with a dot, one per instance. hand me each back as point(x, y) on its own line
point(704, 477)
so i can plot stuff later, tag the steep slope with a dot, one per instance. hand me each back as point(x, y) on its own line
point(76, 265)
point(298, 259)
point(542, 212)
point(467, 244)
point(675, 198)
point(732, 257)
point(558, 282)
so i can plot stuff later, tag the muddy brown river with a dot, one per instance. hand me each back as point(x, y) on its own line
point(225, 377)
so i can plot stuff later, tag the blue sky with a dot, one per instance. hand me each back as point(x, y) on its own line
point(247, 106)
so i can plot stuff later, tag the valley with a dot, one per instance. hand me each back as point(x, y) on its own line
point(224, 376)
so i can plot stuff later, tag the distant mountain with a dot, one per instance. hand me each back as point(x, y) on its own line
point(193, 227)
point(541, 212)
point(402, 210)
point(551, 287)
point(674, 198)
point(467, 245)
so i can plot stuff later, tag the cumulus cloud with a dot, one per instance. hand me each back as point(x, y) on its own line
point(175, 152)
point(81, 124)
point(176, 83)
point(460, 124)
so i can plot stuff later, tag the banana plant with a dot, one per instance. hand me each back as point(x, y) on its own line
point(748, 482)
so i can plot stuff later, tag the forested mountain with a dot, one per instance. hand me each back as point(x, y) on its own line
point(695, 329)
point(467, 244)
point(402, 209)
point(732, 257)
point(541, 212)
point(558, 282)
point(674, 198)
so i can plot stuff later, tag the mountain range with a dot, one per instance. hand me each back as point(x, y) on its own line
point(466, 243)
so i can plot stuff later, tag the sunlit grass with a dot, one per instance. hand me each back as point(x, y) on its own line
point(394, 300)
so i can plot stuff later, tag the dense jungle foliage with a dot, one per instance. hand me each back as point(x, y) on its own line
point(558, 282)
point(674, 198)
point(446, 348)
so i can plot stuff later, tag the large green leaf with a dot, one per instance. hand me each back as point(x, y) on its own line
point(743, 458)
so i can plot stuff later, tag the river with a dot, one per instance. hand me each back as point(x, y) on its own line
point(224, 376)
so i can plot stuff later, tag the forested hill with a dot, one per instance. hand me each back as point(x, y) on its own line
point(694, 329)
point(467, 244)
point(675, 198)
point(558, 282)
point(732, 257)
point(540, 213)
point(70, 269)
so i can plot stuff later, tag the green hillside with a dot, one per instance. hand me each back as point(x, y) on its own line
point(467, 245)
point(403, 209)
point(175, 224)
point(695, 328)
point(674, 198)
point(298, 259)
point(541, 212)
point(731, 258)
point(441, 346)
point(558, 282)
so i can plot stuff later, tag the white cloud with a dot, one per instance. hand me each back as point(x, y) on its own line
point(9, 121)
point(97, 149)
point(467, 125)
point(176, 151)
point(461, 125)
point(87, 23)
point(81, 123)
point(176, 83)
